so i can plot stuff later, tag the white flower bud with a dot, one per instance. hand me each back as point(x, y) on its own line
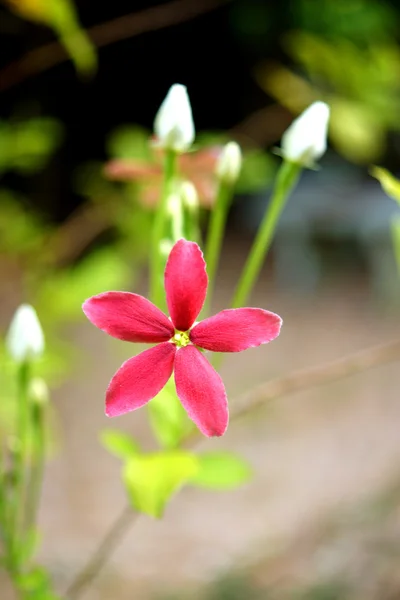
point(229, 163)
point(189, 196)
point(173, 124)
point(304, 141)
point(38, 391)
point(25, 338)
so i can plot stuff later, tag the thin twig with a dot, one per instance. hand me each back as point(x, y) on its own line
point(113, 537)
point(152, 19)
point(320, 375)
point(294, 382)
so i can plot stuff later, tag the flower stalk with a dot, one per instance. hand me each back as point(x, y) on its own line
point(159, 227)
point(286, 180)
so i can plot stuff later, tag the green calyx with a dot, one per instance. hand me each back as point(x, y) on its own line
point(181, 339)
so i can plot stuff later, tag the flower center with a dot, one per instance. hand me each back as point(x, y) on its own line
point(181, 339)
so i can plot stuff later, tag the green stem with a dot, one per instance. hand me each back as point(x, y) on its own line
point(286, 180)
point(157, 259)
point(37, 469)
point(20, 460)
point(215, 237)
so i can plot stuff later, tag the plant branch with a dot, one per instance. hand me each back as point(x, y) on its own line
point(293, 382)
point(113, 537)
point(151, 19)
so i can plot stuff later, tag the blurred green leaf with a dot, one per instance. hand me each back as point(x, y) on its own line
point(118, 443)
point(355, 132)
point(258, 171)
point(62, 293)
point(21, 231)
point(168, 418)
point(130, 141)
point(62, 17)
point(152, 479)
point(26, 146)
point(221, 470)
point(29, 546)
point(389, 183)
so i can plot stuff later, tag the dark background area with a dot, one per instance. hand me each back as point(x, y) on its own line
point(213, 55)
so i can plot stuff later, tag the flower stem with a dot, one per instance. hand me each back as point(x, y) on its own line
point(157, 259)
point(215, 237)
point(286, 180)
point(34, 487)
point(20, 460)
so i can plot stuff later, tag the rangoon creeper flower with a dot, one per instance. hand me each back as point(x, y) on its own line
point(304, 141)
point(133, 318)
point(229, 163)
point(25, 339)
point(173, 124)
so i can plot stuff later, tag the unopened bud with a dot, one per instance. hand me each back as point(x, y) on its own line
point(304, 142)
point(25, 338)
point(38, 391)
point(166, 247)
point(173, 125)
point(174, 204)
point(189, 196)
point(229, 163)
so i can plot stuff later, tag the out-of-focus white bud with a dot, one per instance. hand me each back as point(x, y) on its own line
point(173, 124)
point(229, 163)
point(166, 247)
point(304, 142)
point(189, 196)
point(25, 338)
point(174, 204)
point(38, 391)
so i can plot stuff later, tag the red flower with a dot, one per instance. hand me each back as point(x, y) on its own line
point(133, 318)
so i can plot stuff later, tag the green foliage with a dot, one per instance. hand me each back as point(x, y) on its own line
point(359, 20)
point(62, 292)
point(389, 183)
point(35, 584)
point(168, 417)
point(25, 236)
point(130, 141)
point(152, 479)
point(364, 96)
point(26, 146)
point(118, 443)
point(221, 471)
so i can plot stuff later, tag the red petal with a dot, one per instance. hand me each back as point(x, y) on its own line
point(185, 283)
point(201, 391)
point(140, 379)
point(128, 317)
point(236, 329)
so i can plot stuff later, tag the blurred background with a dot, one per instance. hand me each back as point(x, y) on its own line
point(321, 518)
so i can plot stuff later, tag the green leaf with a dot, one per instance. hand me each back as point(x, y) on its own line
point(168, 417)
point(152, 479)
point(29, 546)
point(221, 471)
point(61, 294)
point(130, 142)
point(390, 185)
point(118, 443)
